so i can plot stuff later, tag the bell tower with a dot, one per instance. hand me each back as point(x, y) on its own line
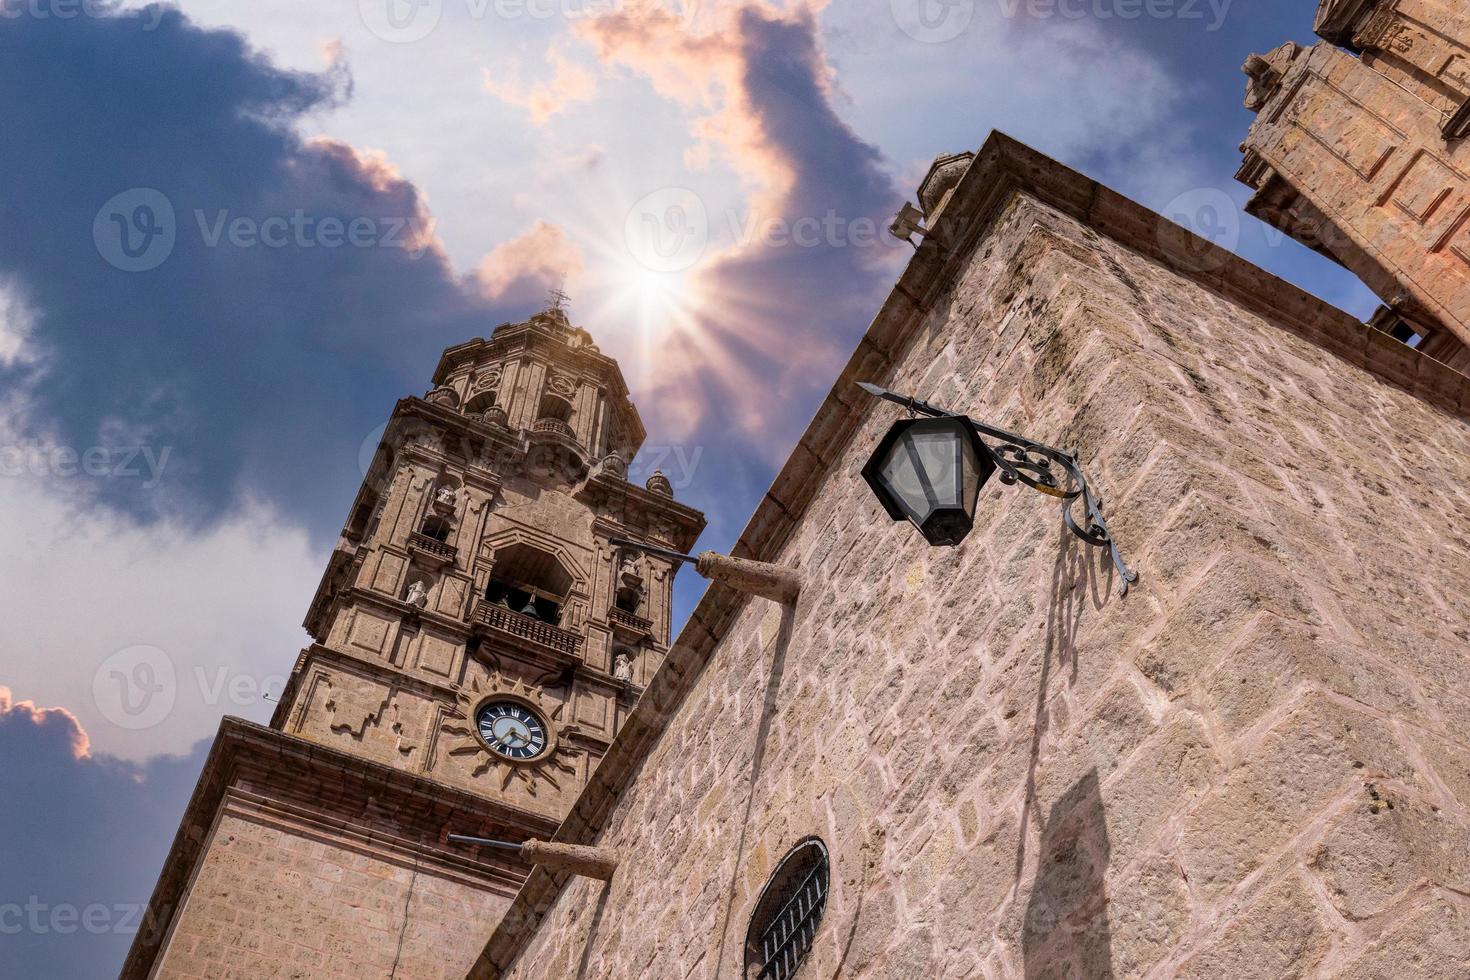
point(1359, 151)
point(475, 571)
point(477, 643)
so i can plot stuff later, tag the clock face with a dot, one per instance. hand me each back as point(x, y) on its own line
point(512, 729)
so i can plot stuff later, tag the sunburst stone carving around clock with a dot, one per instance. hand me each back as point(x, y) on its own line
point(509, 733)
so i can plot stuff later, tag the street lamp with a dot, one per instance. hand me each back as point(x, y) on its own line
point(929, 471)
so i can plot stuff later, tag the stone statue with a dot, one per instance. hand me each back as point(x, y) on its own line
point(622, 667)
point(446, 497)
point(418, 594)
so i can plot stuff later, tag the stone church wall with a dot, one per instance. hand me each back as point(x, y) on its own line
point(268, 902)
point(1256, 764)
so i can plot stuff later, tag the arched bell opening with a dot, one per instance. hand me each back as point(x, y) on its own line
point(529, 581)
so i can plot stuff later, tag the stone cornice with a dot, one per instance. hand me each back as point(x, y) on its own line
point(310, 785)
point(1003, 169)
point(1338, 20)
point(686, 519)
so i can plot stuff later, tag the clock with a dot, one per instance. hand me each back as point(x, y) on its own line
point(512, 729)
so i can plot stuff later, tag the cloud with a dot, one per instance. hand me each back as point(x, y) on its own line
point(568, 85)
point(303, 281)
point(524, 268)
point(792, 278)
point(17, 321)
point(703, 71)
point(89, 832)
point(104, 612)
point(55, 719)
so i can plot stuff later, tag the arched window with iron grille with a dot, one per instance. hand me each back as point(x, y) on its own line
point(788, 913)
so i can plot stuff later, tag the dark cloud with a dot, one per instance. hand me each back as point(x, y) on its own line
point(286, 319)
point(84, 837)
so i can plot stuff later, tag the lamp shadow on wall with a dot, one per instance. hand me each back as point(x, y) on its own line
point(1065, 932)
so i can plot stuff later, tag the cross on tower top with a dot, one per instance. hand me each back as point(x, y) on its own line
point(558, 299)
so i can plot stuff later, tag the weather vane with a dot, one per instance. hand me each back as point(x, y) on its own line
point(558, 298)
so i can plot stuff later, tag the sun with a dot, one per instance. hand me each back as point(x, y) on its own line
point(654, 298)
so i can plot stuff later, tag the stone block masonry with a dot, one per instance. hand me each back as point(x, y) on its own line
point(1254, 765)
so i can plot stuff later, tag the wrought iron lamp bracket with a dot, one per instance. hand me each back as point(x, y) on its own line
point(1035, 464)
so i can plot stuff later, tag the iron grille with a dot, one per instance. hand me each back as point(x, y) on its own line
point(788, 914)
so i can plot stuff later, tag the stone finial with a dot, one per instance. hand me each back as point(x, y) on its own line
point(659, 484)
point(1266, 72)
point(613, 464)
point(443, 396)
point(944, 173)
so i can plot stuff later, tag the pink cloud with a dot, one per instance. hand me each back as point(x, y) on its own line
point(777, 315)
point(569, 84)
point(706, 72)
point(54, 718)
point(525, 267)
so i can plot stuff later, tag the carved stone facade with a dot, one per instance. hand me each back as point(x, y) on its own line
point(1360, 152)
point(1253, 765)
point(474, 571)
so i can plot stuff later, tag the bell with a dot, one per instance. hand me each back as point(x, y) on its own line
point(530, 608)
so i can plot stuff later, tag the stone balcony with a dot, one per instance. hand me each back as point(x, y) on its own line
point(555, 427)
point(624, 620)
point(499, 619)
point(432, 547)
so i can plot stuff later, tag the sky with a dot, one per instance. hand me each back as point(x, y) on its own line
point(234, 232)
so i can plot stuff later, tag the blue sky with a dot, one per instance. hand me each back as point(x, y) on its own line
point(318, 199)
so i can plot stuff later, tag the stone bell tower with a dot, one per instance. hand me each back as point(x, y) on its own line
point(1359, 151)
point(477, 644)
